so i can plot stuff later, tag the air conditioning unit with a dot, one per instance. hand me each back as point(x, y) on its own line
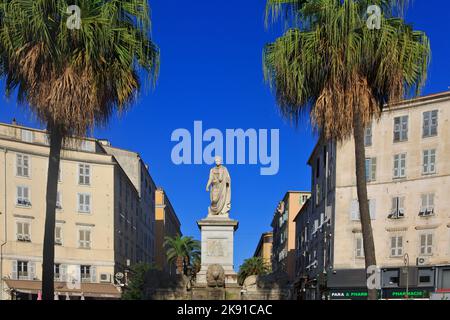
point(422, 261)
point(105, 277)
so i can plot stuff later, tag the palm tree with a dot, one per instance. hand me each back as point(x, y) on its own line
point(252, 266)
point(73, 79)
point(182, 251)
point(330, 64)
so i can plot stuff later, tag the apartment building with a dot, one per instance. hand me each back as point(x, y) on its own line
point(408, 180)
point(104, 220)
point(283, 246)
point(167, 224)
point(264, 248)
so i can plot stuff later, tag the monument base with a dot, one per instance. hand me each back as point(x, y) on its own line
point(217, 242)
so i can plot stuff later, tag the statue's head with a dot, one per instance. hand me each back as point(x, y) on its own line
point(218, 161)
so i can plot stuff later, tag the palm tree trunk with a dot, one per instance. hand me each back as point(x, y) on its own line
point(52, 189)
point(361, 186)
point(179, 264)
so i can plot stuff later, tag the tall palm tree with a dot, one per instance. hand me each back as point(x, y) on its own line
point(330, 64)
point(181, 251)
point(73, 79)
point(252, 266)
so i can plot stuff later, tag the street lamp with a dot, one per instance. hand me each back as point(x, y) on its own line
point(406, 261)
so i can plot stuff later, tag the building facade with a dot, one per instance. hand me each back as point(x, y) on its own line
point(104, 221)
point(167, 224)
point(283, 229)
point(408, 178)
point(264, 248)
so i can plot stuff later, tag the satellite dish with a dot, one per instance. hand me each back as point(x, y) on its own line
point(119, 275)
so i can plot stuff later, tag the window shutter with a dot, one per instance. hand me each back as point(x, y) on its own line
point(354, 210)
point(93, 274)
point(87, 202)
point(31, 270)
point(25, 166)
point(26, 228)
point(372, 209)
point(14, 270)
point(63, 272)
point(396, 166)
point(26, 193)
point(374, 169)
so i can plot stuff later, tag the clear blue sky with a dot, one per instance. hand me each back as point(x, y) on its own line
point(211, 71)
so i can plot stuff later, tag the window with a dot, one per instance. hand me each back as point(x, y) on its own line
point(429, 161)
point(304, 198)
point(22, 270)
point(427, 206)
point(430, 123)
point(23, 231)
point(87, 146)
point(57, 271)
point(396, 246)
point(354, 210)
point(368, 136)
point(371, 169)
point(318, 168)
point(401, 129)
point(317, 194)
point(84, 174)
point(84, 238)
point(27, 136)
point(23, 196)
point(359, 247)
point(23, 165)
point(398, 208)
point(58, 235)
point(84, 202)
point(85, 273)
point(58, 200)
point(426, 244)
point(61, 272)
point(400, 166)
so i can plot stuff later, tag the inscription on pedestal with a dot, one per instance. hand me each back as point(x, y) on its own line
point(216, 248)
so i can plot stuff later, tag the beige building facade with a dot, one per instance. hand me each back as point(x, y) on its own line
point(104, 220)
point(408, 174)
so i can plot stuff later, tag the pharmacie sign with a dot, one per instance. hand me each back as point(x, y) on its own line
point(401, 294)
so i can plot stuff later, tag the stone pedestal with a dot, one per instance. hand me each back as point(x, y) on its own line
point(217, 242)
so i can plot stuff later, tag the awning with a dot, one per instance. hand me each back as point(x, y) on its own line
point(94, 290)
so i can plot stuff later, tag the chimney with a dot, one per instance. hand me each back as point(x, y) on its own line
point(14, 122)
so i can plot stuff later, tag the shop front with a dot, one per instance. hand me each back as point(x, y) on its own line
point(347, 284)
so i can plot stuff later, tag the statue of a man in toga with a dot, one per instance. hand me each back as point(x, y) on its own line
point(219, 185)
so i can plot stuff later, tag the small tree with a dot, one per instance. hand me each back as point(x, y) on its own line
point(182, 251)
point(137, 282)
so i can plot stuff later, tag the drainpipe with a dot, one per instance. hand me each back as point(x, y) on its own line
point(5, 230)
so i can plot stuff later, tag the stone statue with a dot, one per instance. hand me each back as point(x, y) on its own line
point(219, 185)
point(215, 276)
